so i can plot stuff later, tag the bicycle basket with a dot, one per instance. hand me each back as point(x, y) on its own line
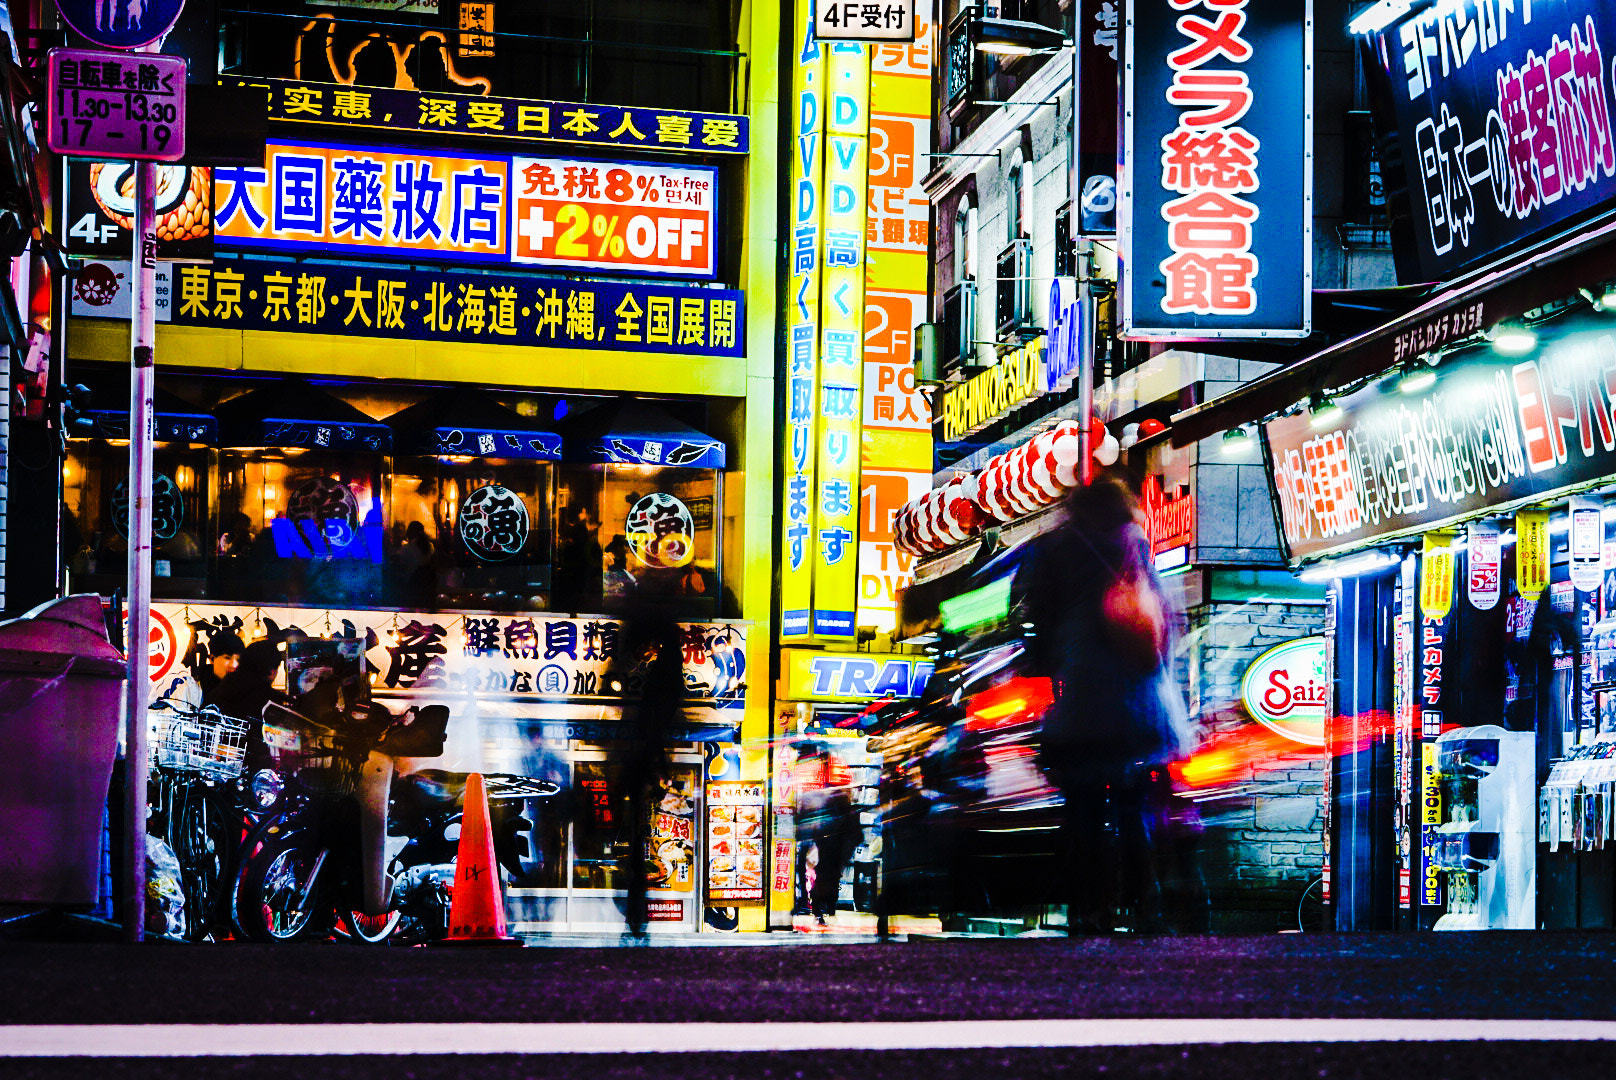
point(301, 747)
point(202, 741)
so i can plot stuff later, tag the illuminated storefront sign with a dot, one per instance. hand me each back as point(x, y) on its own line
point(1169, 522)
point(468, 116)
point(970, 406)
point(809, 675)
point(557, 212)
point(1286, 690)
point(424, 305)
point(527, 657)
point(806, 248)
point(1216, 199)
point(1491, 434)
point(627, 218)
point(1500, 122)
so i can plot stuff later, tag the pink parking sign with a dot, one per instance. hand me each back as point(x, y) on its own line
point(116, 105)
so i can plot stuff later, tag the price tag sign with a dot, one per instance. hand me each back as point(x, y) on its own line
point(116, 105)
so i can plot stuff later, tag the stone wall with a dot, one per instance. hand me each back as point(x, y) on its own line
point(1263, 843)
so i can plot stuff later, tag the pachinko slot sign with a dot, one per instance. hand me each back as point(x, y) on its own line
point(1215, 214)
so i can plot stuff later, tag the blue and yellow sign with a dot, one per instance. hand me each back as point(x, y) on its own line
point(811, 675)
point(472, 116)
point(419, 305)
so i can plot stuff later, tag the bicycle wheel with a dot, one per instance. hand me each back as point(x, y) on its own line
point(194, 833)
point(284, 892)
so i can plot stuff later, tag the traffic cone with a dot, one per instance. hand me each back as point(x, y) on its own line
point(477, 910)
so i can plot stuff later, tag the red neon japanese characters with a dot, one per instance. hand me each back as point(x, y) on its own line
point(1210, 162)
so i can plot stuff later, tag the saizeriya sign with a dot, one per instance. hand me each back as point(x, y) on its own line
point(1490, 434)
point(1287, 688)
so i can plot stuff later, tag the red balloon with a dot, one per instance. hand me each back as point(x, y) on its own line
point(1147, 428)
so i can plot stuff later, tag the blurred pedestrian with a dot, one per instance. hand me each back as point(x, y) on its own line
point(826, 818)
point(651, 682)
point(224, 656)
point(1103, 631)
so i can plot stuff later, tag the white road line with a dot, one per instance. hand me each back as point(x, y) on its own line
point(232, 1040)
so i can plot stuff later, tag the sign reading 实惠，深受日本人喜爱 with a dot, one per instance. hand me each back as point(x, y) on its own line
point(470, 116)
point(1492, 433)
point(367, 301)
point(1215, 214)
point(635, 218)
point(1499, 118)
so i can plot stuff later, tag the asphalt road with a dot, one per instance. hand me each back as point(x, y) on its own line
point(1493, 976)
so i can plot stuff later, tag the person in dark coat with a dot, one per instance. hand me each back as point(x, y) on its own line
point(224, 656)
point(245, 691)
point(1117, 720)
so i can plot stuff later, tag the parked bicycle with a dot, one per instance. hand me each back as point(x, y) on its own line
point(303, 875)
point(197, 804)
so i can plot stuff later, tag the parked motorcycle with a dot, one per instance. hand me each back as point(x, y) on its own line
point(302, 879)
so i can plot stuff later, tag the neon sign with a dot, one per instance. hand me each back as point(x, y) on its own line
point(1287, 690)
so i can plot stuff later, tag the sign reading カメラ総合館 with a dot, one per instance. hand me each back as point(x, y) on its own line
point(468, 116)
point(1491, 435)
point(1286, 690)
point(372, 302)
point(1215, 213)
point(1499, 122)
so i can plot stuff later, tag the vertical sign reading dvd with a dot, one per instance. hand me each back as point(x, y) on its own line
point(807, 118)
point(841, 348)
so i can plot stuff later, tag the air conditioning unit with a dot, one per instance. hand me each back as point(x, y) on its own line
point(928, 362)
point(958, 345)
point(1014, 293)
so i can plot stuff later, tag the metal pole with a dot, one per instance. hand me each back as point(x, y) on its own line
point(1085, 357)
point(142, 346)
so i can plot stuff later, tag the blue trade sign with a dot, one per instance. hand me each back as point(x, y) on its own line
point(1495, 124)
point(120, 24)
point(1215, 216)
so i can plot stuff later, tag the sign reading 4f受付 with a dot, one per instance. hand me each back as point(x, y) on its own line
point(1216, 200)
point(102, 104)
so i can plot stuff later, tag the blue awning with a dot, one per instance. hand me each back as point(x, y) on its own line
point(469, 422)
point(634, 432)
point(293, 414)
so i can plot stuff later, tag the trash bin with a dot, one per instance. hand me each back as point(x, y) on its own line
point(61, 686)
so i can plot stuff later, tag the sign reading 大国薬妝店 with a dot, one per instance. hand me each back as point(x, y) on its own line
point(1493, 433)
point(1500, 114)
point(475, 116)
point(1216, 192)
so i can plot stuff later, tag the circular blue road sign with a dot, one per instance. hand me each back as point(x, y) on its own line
point(120, 24)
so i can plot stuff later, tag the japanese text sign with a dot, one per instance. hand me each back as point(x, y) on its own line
point(1216, 202)
point(735, 841)
point(1490, 435)
point(467, 116)
point(1095, 178)
point(116, 105)
point(120, 26)
point(625, 217)
point(471, 208)
point(1498, 121)
point(487, 309)
point(850, 20)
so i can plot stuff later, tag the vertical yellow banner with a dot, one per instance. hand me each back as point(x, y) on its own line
point(806, 117)
point(1436, 575)
point(1531, 552)
point(841, 351)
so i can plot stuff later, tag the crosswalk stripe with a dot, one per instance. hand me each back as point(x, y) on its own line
point(263, 1040)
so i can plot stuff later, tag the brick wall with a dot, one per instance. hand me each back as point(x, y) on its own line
point(1263, 843)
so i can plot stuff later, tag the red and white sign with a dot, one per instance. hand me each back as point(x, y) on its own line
point(1486, 563)
point(1169, 521)
point(614, 216)
point(164, 646)
point(1287, 690)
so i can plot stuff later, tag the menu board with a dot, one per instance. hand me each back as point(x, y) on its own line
point(670, 860)
point(735, 843)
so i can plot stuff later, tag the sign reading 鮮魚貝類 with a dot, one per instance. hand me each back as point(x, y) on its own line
point(367, 301)
point(467, 116)
point(115, 105)
point(1491, 435)
point(600, 216)
point(1499, 118)
point(1215, 217)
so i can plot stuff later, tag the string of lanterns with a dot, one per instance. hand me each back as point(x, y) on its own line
point(1018, 482)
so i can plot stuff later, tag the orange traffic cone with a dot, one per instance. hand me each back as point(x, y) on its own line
point(477, 910)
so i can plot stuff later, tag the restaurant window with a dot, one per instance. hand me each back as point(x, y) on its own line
point(306, 527)
point(471, 533)
point(95, 521)
point(646, 530)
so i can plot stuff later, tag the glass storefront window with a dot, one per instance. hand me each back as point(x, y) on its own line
point(95, 493)
point(475, 533)
point(636, 529)
point(305, 527)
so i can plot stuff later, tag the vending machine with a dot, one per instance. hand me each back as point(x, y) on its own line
point(1486, 846)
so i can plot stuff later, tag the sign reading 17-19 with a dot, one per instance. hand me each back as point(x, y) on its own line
point(116, 105)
